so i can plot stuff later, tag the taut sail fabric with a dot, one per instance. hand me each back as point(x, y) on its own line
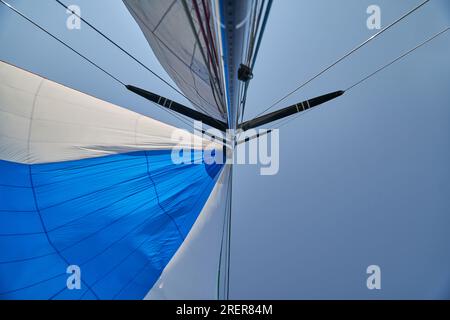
point(89, 184)
point(182, 34)
point(195, 271)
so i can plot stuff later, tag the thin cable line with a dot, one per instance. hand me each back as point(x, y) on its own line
point(261, 32)
point(219, 269)
point(134, 59)
point(345, 56)
point(60, 41)
point(254, 29)
point(229, 235)
point(252, 61)
point(185, 121)
point(283, 123)
point(127, 53)
point(397, 59)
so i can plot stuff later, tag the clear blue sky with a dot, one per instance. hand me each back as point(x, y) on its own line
point(363, 180)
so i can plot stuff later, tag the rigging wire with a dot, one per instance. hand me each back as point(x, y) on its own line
point(60, 41)
point(223, 276)
point(288, 120)
point(346, 55)
point(185, 121)
point(261, 32)
point(229, 236)
point(398, 58)
point(252, 59)
point(256, 17)
point(219, 268)
point(247, 55)
point(128, 54)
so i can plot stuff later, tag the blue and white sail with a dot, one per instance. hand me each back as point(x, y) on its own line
point(90, 184)
point(182, 35)
point(87, 183)
point(201, 45)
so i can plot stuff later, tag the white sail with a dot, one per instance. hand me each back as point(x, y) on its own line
point(42, 121)
point(193, 273)
point(183, 37)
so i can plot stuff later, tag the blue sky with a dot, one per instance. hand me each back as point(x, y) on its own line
point(363, 180)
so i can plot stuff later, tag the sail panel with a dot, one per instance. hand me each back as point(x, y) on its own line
point(193, 273)
point(119, 218)
point(89, 184)
point(181, 34)
point(42, 121)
